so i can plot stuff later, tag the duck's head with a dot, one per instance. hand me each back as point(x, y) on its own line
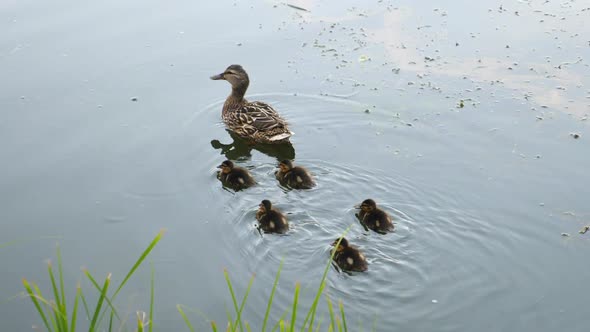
point(226, 166)
point(264, 206)
point(285, 165)
point(343, 244)
point(235, 75)
point(368, 205)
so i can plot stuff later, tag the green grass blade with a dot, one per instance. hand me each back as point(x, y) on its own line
point(282, 318)
point(75, 309)
point(282, 324)
point(311, 313)
point(248, 327)
point(228, 314)
point(140, 322)
point(319, 323)
point(110, 322)
point(151, 322)
point(213, 326)
point(294, 310)
point(139, 261)
point(312, 310)
point(85, 304)
point(109, 301)
point(239, 318)
point(234, 301)
point(341, 306)
point(59, 321)
point(48, 305)
point(331, 312)
point(185, 318)
point(103, 294)
point(272, 294)
point(33, 298)
point(61, 283)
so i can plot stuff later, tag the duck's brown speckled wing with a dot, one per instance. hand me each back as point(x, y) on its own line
point(256, 116)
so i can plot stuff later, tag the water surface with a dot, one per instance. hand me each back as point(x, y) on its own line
point(481, 193)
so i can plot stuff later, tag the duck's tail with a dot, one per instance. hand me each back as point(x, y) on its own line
point(280, 137)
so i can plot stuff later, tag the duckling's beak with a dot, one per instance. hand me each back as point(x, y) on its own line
point(358, 206)
point(220, 166)
point(217, 77)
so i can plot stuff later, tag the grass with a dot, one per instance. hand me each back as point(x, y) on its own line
point(57, 317)
point(54, 312)
point(337, 321)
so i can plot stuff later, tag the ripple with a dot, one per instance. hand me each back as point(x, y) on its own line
point(436, 251)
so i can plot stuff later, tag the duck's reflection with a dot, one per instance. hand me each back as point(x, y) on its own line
point(240, 148)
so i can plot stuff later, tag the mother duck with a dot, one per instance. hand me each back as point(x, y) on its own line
point(254, 121)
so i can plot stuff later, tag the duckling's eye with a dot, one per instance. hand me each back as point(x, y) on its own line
point(229, 73)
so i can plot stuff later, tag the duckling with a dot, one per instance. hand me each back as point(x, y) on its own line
point(271, 220)
point(235, 177)
point(295, 177)
point(348, 258)
point(374, 218)
point(255, 121)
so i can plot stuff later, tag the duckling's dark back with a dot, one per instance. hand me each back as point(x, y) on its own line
point(298, 178)
point(273, 222)
point(238, 178)
point(377, 220)
point(350, 259)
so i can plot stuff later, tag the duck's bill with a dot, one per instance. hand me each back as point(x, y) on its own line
point(217, 77)
point(220, 166)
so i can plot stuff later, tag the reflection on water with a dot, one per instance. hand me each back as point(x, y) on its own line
point(242, 149)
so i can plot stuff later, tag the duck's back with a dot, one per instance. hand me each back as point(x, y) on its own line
point(350, 259)
point(377, 220)
point(256, 120)
point(273, 222)
point(299, 178)
point(239, 178)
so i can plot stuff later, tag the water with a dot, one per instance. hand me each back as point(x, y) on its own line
point(480, 194)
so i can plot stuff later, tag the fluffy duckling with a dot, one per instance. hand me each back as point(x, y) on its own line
point(295, 177)
point(349, 258)
point(271, 220)
point(373, 217)
point(255, 121)
point(235, 177)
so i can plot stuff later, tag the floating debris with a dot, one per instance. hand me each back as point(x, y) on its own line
point(364, 58)
point(461, 104)
point(134, 99)
point(565, 234)
point(297, 7)
point(575, 135)
point(584, 229)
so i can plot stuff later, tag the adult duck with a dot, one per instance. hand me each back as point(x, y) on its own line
point(254, 121)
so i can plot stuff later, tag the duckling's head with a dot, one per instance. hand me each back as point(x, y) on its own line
point(265, 206)
point(368, 205)
point(285, 165)
point(343, 244)
point(235, 75)
point(226, 166)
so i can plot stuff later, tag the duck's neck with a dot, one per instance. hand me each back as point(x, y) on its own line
point(236, 99)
